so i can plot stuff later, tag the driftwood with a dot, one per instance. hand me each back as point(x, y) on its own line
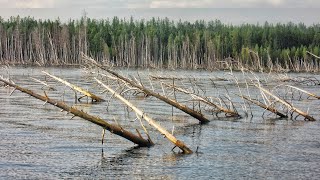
point(289, 106)
point(148, 92)
point(115, 129)
point(152, 122)
point(76, 88)
point(206, 101)
point(269, 108)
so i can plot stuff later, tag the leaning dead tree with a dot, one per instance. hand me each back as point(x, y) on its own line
point(268, 108)
point(148, 92)
point(152, 122)
point(288, 105)
point(205, 100)
point(304, 91)
point(44, 84)
point(76, 88)
point(115, 129)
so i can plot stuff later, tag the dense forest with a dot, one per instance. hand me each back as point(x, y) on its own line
point(160, 43)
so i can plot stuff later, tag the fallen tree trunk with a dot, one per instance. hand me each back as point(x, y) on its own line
point(153, 123)
point(96, 120)
point(43, 83)
point(304, 91)
point(289, 106)
point(313, 55)
point(76, 88)
point(204, 100)
point(148, 92)
point(269, 108)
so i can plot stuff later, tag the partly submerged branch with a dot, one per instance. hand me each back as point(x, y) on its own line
point(152, 122)
point(269, 108)
point(304, 91)
point(148, 92)
point(289, 106)
point(115, 129)
point(228, 112)
point(76, 88)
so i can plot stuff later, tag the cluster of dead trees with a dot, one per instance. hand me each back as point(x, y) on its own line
point(160, 43)
point(221, 106)
point(25, 41)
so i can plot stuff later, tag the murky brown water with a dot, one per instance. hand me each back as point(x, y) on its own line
point(40, 142)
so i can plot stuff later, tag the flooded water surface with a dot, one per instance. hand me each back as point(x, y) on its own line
point(38, 141)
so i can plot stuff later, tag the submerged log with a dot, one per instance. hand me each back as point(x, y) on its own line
point(269, 108)
point(148, 92)
point(115, 129)
point(152, 122)
point(289, 106)
point(76, 88)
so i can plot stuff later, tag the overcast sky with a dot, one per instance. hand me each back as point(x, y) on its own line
point(228, 11)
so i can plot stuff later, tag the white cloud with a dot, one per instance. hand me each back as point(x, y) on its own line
point(26, 3)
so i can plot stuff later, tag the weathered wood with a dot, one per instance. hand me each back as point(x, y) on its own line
point(204, 100)
point(96, 120)
point(313, 55)
point(269, 108)
point(152, 122)
point(289, 106)
point(148, 92)
point(43, 83)
point(304, 91)
point(76, 88)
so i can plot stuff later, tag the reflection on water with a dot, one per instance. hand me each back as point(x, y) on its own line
point(40, 142)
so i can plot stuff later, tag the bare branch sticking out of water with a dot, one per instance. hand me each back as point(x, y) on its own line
point(148, 92)
point(288, 105)
point(96, 120)
point(43, 83)
point(76, 88)
point(205, 100)
point(269, 108)
point(152, 122)
point(304, 91)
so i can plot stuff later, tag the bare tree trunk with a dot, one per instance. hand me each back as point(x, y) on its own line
point(96, 120)
point(174, 103)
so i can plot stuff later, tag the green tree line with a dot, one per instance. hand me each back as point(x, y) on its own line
point(160, 43)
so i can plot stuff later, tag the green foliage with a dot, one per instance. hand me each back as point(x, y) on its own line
point(110, 38)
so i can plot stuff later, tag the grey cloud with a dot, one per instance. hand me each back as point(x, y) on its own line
point(233, 3)
point(160, 4)
point(102, 4)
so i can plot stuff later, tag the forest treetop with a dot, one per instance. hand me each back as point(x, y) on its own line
point(155, 42)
